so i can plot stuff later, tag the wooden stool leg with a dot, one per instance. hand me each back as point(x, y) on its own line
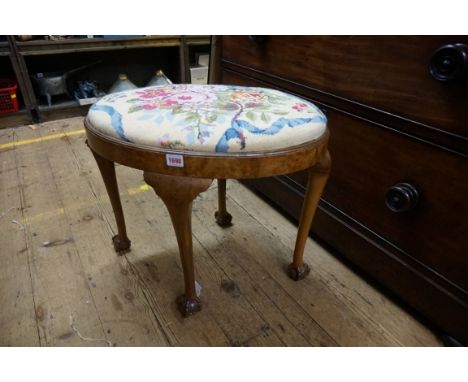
point(177, 194)
point(107, 169)
point(318, 176)
point(223, 218)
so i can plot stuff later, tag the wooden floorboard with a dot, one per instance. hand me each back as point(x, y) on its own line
point(355, 292)
point(61, 283)
point(125, 313)
point(18, 326)
point(60, 287)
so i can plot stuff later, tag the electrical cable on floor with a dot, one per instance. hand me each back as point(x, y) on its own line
point(72, 325)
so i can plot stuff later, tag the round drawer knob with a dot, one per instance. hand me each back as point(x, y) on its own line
point(450, 63)
point(401, 197)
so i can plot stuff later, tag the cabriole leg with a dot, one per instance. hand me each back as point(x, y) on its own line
point(177, 194)
point(107, 169)
point(318, 176)
point(223, 218)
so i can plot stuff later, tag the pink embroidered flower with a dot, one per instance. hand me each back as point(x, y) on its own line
point(169, 103)
point(153, 93)
point(158, 104)
point(194, 97)
point(300, 106)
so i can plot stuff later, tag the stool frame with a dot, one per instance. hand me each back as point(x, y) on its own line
point(179, 186)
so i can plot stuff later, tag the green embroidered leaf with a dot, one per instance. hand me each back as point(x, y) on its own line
point(280, 112)
point(177, 110)
point(265, 118)
point(175, 145)
point(276, 99)
point(133, 100)
point(192, 117)
point(211, 118)
point(135, 108)
point(251, 115)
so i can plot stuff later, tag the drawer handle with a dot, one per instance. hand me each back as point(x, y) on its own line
point(401, 197)
point(450, 63)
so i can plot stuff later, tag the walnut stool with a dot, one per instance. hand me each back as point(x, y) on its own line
point(184, 136)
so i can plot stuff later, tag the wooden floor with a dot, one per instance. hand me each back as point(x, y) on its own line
point(61, 284)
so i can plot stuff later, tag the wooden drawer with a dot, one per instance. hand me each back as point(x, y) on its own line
point(384, 72)
point(367, 160)
point(421, 254)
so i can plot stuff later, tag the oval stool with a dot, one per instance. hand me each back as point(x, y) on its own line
point(184, 136)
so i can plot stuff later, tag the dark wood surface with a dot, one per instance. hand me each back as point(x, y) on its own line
point(434, 230)
point(390, 122)
point(387, 72)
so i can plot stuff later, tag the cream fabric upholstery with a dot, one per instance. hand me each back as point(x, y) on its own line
point(209, 118)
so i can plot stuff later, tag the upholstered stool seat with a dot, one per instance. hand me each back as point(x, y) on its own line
point(212, 118)
point(184, 136)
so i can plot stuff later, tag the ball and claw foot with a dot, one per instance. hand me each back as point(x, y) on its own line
point(223, 220)
point(298, 273)
point(188, 307)
point(121, 246)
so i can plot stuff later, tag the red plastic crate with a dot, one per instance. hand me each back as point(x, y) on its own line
point(8, 99)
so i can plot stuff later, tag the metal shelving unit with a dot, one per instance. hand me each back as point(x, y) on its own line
point(41, 47)
point(21, 116)
point(20, 52)
point(4, 48)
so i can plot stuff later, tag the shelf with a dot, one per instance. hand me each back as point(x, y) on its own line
point(43, 47)
point(62, 109)
point(4, 48)
point(198, 40)
point(29, 55)
point(21, 117)
point(59, 105)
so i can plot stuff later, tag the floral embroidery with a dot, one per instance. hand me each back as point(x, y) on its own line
point(165, 142)
point(193, 116)
point(300, 106)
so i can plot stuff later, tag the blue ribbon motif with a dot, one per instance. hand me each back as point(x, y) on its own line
point(235, 131)
point(116, 119)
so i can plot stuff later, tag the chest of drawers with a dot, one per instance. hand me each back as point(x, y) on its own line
point(396, 203)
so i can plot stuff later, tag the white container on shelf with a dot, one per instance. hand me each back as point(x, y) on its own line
point(199, 75)
point(159, 79)
point(122, 84)
point(203, 59)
